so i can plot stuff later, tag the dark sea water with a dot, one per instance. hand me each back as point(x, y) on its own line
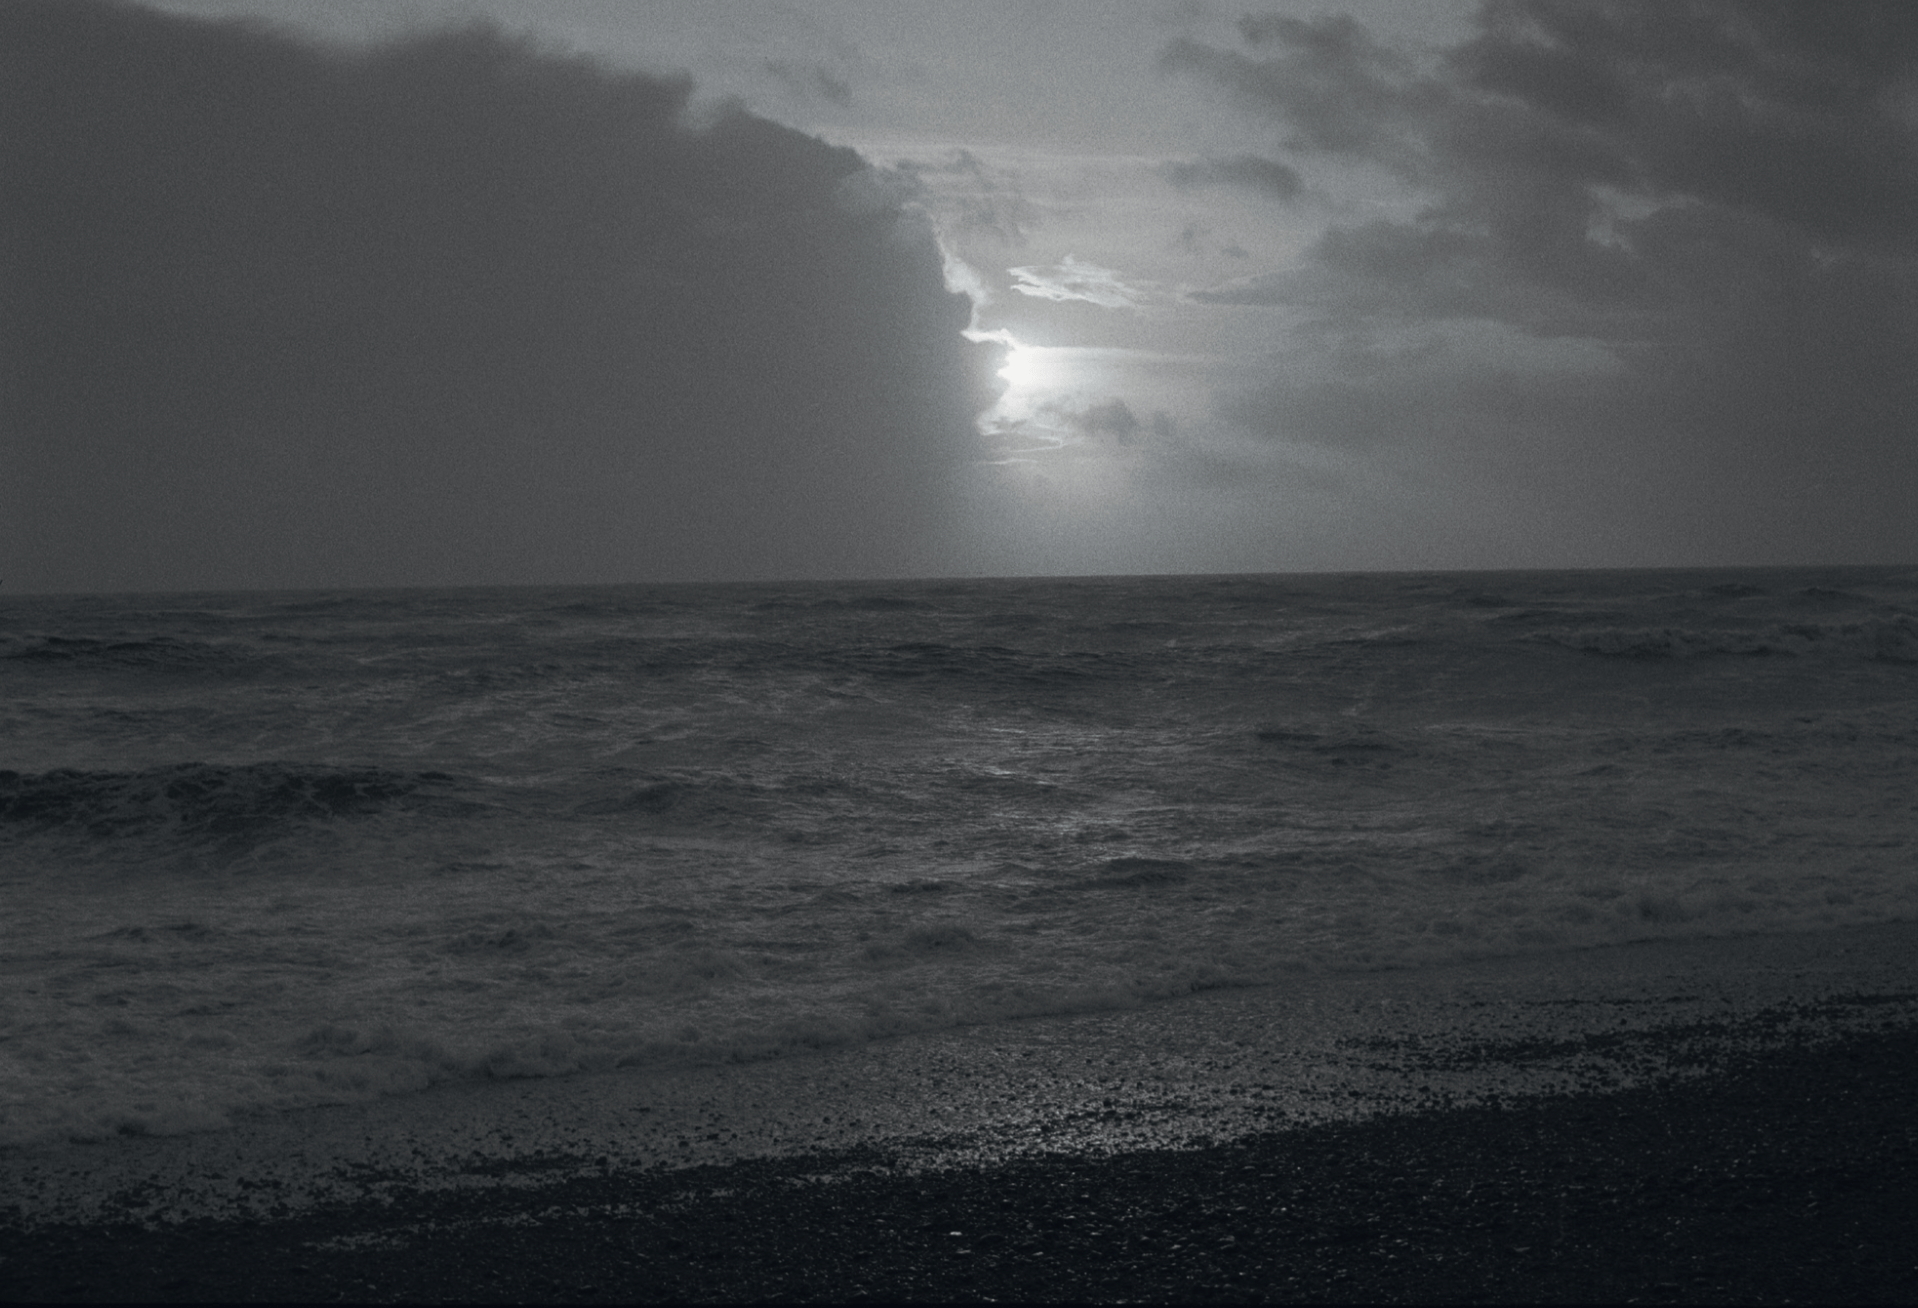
point(266, 851)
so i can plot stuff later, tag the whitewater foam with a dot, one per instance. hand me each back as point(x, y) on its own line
point(387, 841)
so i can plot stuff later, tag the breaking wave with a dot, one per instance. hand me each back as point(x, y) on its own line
point(528, 833)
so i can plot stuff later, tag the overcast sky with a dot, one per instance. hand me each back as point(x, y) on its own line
point(358, 292)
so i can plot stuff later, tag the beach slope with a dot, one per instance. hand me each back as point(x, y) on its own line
point(1696, 1121)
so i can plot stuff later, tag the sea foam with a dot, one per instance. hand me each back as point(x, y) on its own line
point(380, 842)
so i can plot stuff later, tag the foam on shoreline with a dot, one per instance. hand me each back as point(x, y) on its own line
point(1207, 1068)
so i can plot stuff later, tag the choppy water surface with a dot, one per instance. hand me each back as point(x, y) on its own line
point(266, 851)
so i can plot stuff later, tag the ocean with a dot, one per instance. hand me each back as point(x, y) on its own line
point(261, 852)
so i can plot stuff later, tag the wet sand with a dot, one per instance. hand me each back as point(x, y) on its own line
point(1700, 1120)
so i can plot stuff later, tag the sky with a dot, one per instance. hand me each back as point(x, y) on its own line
point(427, 292)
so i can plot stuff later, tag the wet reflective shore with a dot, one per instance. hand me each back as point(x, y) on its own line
point(1726, 1120)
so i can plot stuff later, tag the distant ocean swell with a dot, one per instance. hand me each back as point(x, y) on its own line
point(191, 800)
point(1894, 640)
point(381, 842)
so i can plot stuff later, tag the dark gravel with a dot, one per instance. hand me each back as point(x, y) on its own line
point(1783, 1175)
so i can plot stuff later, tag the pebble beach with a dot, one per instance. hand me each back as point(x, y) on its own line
point(1690, 1121)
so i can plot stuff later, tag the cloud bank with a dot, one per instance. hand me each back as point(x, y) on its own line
point(455, 310)
point(1653, 269)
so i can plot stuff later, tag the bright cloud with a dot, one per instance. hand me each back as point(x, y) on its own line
point(1075, 279)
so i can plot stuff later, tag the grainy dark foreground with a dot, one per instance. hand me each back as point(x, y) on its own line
point(1784, 1175)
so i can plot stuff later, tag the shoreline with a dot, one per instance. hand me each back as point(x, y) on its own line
point(1785, 1178)
point(1678, 1080)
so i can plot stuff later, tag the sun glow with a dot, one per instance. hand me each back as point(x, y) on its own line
point(1027, 367)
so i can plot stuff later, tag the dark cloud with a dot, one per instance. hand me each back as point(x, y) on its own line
point(1336, 87)
point(1108, 418)
point(1718, 200)
point(1799, 112)
point(453, 310)
point(1195, 238)
point(1250, 171)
